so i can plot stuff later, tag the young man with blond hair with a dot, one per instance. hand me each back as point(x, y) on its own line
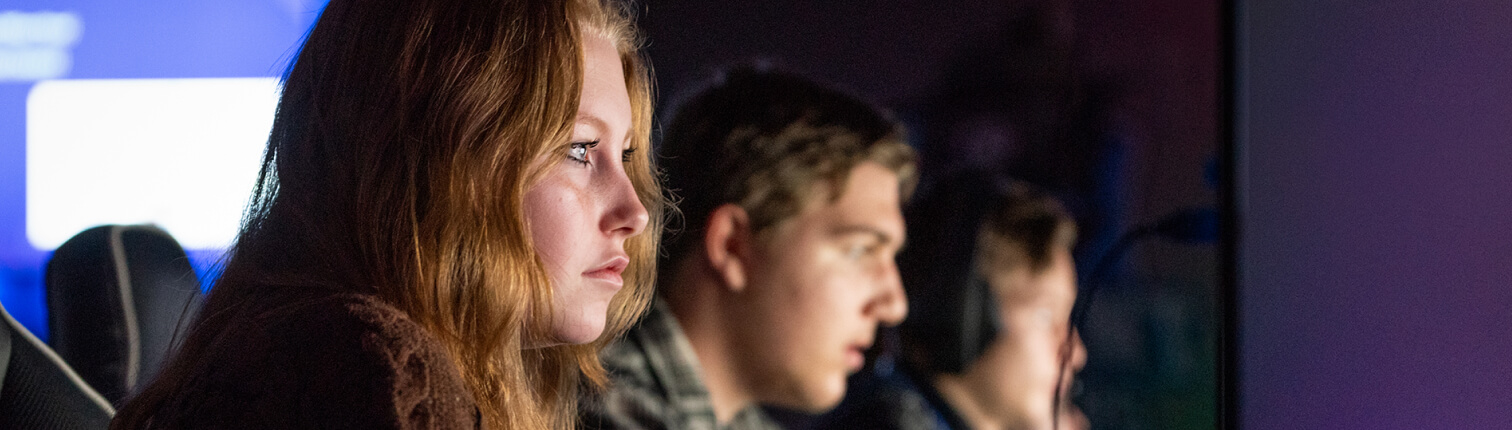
point(791, 198)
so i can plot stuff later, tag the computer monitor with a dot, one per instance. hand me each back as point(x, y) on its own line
point(152, 112)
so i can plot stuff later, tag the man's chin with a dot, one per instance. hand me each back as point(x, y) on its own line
point(818, 399)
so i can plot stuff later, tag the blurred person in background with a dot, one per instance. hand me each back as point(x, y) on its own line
point(791, 195)
point(988, 344)
point(456, 211)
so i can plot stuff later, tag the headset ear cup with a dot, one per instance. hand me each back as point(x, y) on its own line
point(992, 321)
point(980, 324)
point(963, 334)
point(954, 314)
point(975, 325)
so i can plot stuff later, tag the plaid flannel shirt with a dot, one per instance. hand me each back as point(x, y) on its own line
point(656, 383)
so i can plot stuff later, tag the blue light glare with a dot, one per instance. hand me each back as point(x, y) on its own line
point(114, 39)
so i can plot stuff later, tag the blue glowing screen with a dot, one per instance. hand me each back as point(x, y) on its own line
point(55, 43)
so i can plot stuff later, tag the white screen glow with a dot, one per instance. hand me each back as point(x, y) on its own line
point(179, 153)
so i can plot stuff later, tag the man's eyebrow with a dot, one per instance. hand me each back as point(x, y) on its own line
point(881, 236)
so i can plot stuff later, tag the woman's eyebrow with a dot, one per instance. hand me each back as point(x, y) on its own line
point(593, 121)
point(601, 125)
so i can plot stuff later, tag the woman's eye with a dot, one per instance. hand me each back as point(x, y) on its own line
point(579, 151)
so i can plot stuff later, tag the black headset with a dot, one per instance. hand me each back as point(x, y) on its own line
point(953, 313)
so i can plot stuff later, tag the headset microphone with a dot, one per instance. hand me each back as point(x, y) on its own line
point(1190, 226)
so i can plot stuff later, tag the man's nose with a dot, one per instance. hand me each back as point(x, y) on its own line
point(891, 304)
point(1078, 352)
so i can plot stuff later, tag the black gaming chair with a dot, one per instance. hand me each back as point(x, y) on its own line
point(39, 391)
point(116, 297)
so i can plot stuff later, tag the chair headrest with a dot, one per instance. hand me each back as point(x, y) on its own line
point(116, 298)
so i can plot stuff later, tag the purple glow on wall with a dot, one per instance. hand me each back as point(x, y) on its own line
point(1377, 246)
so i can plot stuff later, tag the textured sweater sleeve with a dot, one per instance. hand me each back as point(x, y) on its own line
point(346, 361)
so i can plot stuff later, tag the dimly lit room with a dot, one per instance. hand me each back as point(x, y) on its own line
point(1023, 214)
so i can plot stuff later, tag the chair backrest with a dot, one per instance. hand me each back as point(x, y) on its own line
point(38, 390)
point(116, 298)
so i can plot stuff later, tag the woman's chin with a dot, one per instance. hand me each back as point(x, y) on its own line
point(578, 332)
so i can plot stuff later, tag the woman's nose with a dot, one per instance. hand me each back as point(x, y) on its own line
point(625, 216)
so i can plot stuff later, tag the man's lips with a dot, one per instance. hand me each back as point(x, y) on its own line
point(855, 355)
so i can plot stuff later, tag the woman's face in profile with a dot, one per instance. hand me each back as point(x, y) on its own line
point(585, 207)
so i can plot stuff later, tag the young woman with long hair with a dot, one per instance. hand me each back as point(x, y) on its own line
point(457, 210)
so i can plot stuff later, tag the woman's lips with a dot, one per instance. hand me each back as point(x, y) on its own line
point(610, 271)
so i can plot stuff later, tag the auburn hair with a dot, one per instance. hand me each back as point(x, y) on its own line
point(406, 136)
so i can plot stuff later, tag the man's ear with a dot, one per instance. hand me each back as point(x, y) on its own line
point(727, 245)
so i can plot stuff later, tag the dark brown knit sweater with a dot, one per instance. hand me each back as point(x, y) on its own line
point(337, 360)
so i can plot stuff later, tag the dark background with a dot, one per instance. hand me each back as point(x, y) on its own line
point(1112, 105)
point(1377, 243)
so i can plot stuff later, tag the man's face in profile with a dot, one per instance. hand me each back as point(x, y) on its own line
point(1016, 377)
point(819, 284)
